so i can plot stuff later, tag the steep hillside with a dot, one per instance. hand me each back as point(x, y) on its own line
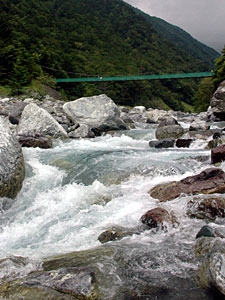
point(181, 39)
point(71, 38)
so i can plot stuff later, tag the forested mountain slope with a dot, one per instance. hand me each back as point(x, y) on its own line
point(182, 39)
point(71, 38)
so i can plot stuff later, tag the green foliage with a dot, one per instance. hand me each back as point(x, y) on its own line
point(203, 95)
point(71, 38)
point(184, 41)
point(187, 107)
point(5, 91)
point(220, 69)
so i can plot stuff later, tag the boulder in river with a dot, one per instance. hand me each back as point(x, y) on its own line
point(166, 143)
point(118, 232)
point(209, 181)
point(208, 208)
point(218, 154)
point(12, 170)
point(183, 143)
point(199, 125)
point(169, 129)
point(98, 112)
point(36, 120)
point(216, 142)
point(158, 218)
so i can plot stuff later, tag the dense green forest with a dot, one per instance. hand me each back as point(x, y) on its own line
point(44, 39)
point(182, 39)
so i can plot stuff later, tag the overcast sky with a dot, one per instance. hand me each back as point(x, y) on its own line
point(203, 19)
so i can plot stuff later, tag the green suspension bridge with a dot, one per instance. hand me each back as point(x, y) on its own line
point(138, 77)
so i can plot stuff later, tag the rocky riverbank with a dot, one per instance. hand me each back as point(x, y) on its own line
point(90, 274)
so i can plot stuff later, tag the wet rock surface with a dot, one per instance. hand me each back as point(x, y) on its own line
point(206, 208)
point(209, 181)
point(34, 141)
point(159, 218)
point(218, 154)
point(117, 233)
point(12, 169)
point(211, 273)
point(167, 143)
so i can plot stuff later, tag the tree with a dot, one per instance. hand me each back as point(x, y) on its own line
point(203, 95)
point(220, 69)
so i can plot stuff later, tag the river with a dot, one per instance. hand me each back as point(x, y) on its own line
point(79, 188)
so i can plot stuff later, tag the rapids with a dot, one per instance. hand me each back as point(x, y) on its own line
point(76, 190)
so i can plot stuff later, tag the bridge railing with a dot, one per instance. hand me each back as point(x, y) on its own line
point(138, 77)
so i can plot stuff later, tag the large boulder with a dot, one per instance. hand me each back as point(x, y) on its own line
point(209, 181)
point(218, 102)
point(36, 120)
point(98, 112)
point(169, 129)
point(199, 125)
point(64, 283)
point(211, 273)
point(12, 170)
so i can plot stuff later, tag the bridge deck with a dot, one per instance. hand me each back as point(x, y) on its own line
point(143, 77)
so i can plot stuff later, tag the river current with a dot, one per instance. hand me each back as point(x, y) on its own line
point(79, 188)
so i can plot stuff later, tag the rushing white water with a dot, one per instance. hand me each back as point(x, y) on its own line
point(76, 190)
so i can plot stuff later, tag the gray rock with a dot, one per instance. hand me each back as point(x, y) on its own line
point(82, 131)
point(126, 117)
point(15, 114)
point(12, 170)
point(199, 125)
point(162, 143)
point(205, 231)
point(118, 232)
point(79, 282)
point(98, 112)
point(137, 110)
point(169, 132)
point(168, 121)
point(157, 115)
point(13, 267)
point(36, 120)
point(212, 271)
point(218, 102)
